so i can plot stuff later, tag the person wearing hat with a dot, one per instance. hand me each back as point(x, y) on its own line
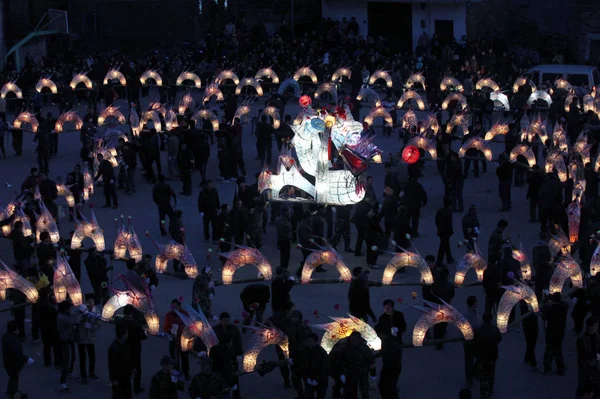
point(165, 384)
point(174, 325)
point(554, 315)
point(120, 367)
point(357, 363)
point(208, 383)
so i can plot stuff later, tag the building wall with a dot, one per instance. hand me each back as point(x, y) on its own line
point(338, 9)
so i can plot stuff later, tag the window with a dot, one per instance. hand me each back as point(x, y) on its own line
point(579, 80)
point(200, 7)
point(596, 76)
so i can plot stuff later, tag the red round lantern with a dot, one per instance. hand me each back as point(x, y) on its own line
point(305, 101)
point(410, 154)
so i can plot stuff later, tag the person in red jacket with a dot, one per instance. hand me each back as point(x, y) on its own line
point(174, 325)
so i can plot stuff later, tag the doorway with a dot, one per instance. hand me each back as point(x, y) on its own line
point(392, 21)
point(444, 28)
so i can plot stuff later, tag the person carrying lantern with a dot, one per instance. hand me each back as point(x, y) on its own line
point(174, 325)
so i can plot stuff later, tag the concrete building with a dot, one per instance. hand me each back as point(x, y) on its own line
point(404, 21)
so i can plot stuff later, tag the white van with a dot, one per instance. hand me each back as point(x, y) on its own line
point(577, 75)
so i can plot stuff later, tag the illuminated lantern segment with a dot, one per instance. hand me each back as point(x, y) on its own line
point(127, 241)
point(341, 73)
point(435, 314)
point(46, 222)
point(151, 74)
point(241, 257)
point(342, 327)
point(11, 279)
point(316, 137)
point(414, 79)
point(305, 72)
point(19, 216)
point(267, 73)
point(68, 117)
point(65, 281)
point(470, 260)
point(88, 229)
point(187, 75)
point(407, 259)
point(566, 268)
point(249, 82)
point(327, 88)
point(425, 144)
point(206, 114)
point(81, 78)
point(196, 325)
point(28, 118)
point(411, 95)
point(477, 143)
point(115, 74)
point(46, 83)
point(519, 254)
point(574, 217)
point(212, 90)
point(325, 256)
point(226, 75)
point(262, 338)
point(134, 122)
point(11, 87)
point(379, 75)
point(111, 112)
point(367, 93)
point(64, 191)
point(512, 296)
point(524, 151)
point(141, 300)
point(595, 262)
point(174, 250)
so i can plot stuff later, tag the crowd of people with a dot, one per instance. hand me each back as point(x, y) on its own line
point(381, 218)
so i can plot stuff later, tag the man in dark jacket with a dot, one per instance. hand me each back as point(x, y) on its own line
point(505, 177)
point(588, 345)
point(415, 197)
point(97, 271)
point(357, 363)
point(49, 193)
point(164, 384)
point(391, 322)
point(443, 222)
point(106, 171)
point(496, 242)
point(208, 206)
point(442, 290)
point(315, 368)
point(555, 317)
point(487, 338)
point(391, 354)
point(22, 246)
point(284, 237)
point(264, 140)
point(359, 298)
point(161, 195)
point(225, 363)
point(13, 358)
point(360, 221)
point(304, 239)
point(255, 298)
point(186, 163)
point(280, 289)
point(119, 365)
point(535, 178)
point(130, 161)
point(342, 226)
point(135, 336)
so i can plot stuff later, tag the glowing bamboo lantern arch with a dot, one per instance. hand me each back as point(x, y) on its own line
point(111, 112)
point(595, 262)
point(342, 327)
point(18, 216)
point(174, 250)
point(151, 74)
point(46, 222)
point(267, 73)
point(64, 191)
point(563, 84)
point(499, 97)
point(134, 122)
point(367, 93)
point(329, 88)
point(450, 83)
point(127, 241)
point(559, 244)
point(305, 72)
point(46, 83)
point(462, 100)
point(289, 84)
point(325, 256)
point(186, 103)
point(115, 74)
point(555, 161)
point(158, 107)
point(569, 101)
point(81, 78)
point(245, 256)
point(68, 117)
point(227, 75)
point(187, 75)
point(470, 260)
point(170, 120)
point(274, 114)
point(574, 218)
point(381, 75)
point(206, 114)
point(583, 149)
point(151, 116)
point(588, 102)
point(411, 95)
point(87, 229)
point(196, 325)
point(262, 338)
point(524, 151)
point(522, 81)
point(409, 119)
point(11, 87)
point(341, 73)
point(11, 279)
point(597, 163)
point(414, 79)
point(65, 282)
point(497, 129)
point(487, 82)
point(212, 90)
point(435, 314)
point(425, 144)
point(477, 143)
point(136, 298)
point(407, 259)
point(519, 255)
point(243, 113)
point(539, 95)
point(566, 268)
point(28, 118)
point(379, 112)
point(252, 82)
point(513, 294)
point(430, 123)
